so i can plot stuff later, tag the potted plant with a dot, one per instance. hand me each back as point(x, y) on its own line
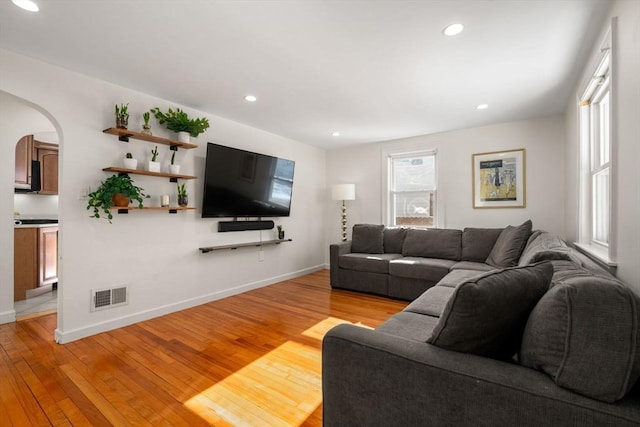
point(280, 232)
point(178, 121)
point(154, 165)
point(122, 116)
point(183, 198)
point(130, 162)
point(116, 191)
point(173, 168)
point(146, 127)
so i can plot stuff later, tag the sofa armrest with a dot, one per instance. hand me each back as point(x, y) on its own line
point(335, 250)
point(370, 378)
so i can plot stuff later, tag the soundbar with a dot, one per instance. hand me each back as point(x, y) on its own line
point(244, 225)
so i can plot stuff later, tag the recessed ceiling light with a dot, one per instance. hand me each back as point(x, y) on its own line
point(335, 134)
point(29, 5)
point(482, 106)
point(453, 29)
point(250, 98)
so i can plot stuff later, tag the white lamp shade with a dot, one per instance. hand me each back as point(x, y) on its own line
point(343, 192)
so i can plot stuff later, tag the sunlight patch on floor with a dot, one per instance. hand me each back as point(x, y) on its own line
point(281, 388)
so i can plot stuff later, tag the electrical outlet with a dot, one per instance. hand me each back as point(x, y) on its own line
point(261, 256)
point(84, 193)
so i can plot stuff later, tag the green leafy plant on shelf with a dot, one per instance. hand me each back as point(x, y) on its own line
point(182, 190)
point(102, 201)
point(178, 121)
point(154, 154)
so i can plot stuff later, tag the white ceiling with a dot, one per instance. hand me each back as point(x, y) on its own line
point(373, 70)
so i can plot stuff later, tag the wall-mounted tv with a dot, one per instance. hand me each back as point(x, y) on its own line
point(239, 183)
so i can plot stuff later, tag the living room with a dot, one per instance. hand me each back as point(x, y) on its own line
point(157, 255)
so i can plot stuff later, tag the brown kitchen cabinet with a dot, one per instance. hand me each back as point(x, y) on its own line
point(47, 154)
point(29, 149)
point(35, 259)
point(24, 155)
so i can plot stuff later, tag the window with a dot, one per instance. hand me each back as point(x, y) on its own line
point(596, 167)
point(412, 189)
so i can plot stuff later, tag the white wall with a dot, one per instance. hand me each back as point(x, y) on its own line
point(154, 253)
point(626, 129)
point(542, 138)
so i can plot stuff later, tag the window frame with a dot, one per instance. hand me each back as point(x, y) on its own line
point(388, 206)
point(600, 85)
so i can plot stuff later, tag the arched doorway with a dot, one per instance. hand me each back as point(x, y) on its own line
point(18, 117)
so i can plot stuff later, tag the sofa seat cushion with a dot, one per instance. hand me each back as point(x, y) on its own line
point(431, 269)
point(584, 334)
point(413, 326)
point(469, 265)
point(455, 277)
point(373, 263)
point(432, 302)
point(487, 314)
point(509, 246)
point(433, 243)
point(478, 242)
point(367, 238)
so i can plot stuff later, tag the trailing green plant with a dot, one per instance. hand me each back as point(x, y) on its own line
point(154, 154)
point(178, 121)
point(182, 190)
point(101, 200)
point(122, 111)
point(173, 157)
point(129, 156)
point(145, 117)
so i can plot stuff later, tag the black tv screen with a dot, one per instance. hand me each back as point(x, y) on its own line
point(239, 183)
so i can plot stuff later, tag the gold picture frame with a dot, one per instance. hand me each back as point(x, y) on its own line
point(499, 179)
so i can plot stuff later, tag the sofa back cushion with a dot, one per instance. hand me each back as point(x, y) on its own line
point(509, 245)
point(367, 239)
point(434, 243)
point(546, 246)
point(394, 239)
point(487, 313)
point(478, 242)
point(584, 334)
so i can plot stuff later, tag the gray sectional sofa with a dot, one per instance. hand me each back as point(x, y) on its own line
point(533, 334)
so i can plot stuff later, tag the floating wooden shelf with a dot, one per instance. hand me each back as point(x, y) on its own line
point(244, 245)
point(172, 176)
point(125, 134)
point(170, 209)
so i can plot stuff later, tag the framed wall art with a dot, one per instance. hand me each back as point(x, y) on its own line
point(499, 179)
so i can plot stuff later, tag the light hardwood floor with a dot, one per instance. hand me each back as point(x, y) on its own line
point(248, 360)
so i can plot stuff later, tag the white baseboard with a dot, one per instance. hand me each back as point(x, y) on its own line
point(63, 337)
point(8, 316)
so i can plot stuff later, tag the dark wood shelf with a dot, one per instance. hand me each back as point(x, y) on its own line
point(172, 176)
point(125, 134)
point(244, 245)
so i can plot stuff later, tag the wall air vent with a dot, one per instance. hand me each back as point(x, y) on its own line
point(108, 298)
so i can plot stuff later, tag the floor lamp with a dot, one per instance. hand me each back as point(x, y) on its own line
point(344, 192)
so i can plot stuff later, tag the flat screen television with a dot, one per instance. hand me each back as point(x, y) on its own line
point(239, 183)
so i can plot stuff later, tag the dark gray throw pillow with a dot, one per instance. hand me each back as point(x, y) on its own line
point(486, 314)
point(478, 242)
point(584, 334)
point(367, 239)
point(509, 246)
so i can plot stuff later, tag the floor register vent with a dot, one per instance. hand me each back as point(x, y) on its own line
point(107, 298)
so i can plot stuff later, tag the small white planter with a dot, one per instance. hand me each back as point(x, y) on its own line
point(154, 166)
point(130, 163)
point(174, 169)
point(184, 137)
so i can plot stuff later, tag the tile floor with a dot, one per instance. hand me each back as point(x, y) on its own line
point(45, 302)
